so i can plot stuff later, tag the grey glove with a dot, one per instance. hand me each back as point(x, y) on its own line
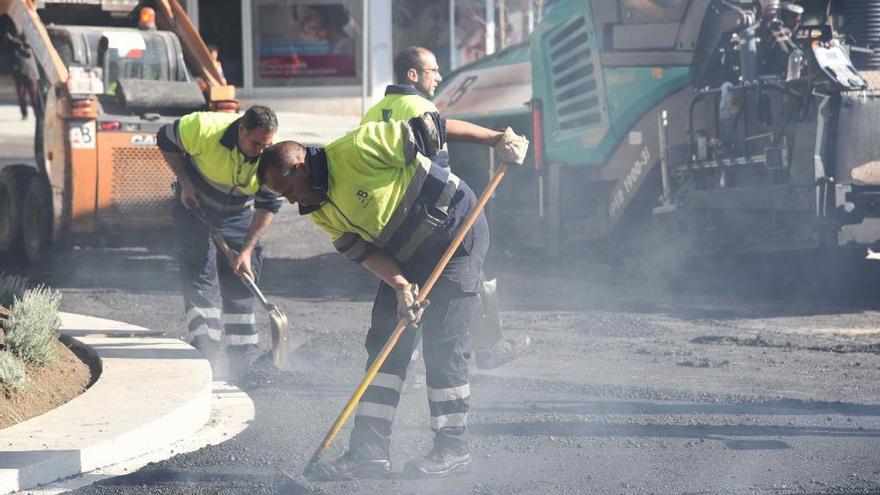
point(511, 148)
point(407, 307)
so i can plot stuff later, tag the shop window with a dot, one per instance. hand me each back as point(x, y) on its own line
point(424, 23)
point(223, 31)
point(306, 42)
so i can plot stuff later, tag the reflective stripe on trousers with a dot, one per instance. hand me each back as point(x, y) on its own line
point(215, 299)
point(445, 344)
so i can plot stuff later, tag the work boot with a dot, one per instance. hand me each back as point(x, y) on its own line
point(439, 463)
point(503, 351)
point(349, 466)
point(242, 358)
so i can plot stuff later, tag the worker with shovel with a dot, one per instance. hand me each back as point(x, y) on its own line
point(215, 157)
point(388, 206)
point(418, 76)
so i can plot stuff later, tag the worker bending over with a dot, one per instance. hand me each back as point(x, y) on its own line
point(215, 157)
point(388, 206)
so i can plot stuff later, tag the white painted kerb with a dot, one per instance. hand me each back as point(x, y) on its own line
point(153, 391)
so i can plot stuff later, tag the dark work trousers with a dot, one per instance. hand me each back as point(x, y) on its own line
point(445, 330)
point(214, 297)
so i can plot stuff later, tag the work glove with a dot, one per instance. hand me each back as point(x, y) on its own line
point(511, 148)
point(407, 307)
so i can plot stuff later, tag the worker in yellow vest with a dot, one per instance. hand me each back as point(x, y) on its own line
point(215, 157)
point(388, 206)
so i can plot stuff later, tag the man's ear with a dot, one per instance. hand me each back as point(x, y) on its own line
point(412, 75)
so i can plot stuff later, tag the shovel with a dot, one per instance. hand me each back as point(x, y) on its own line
point(277, 318)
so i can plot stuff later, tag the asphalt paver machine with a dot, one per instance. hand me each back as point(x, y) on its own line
point(741, 126)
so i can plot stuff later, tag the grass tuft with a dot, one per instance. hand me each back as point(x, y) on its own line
point(12, 372)
point(11, 287)
point(32, 329)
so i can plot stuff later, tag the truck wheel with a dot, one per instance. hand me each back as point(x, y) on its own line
point(10, 206)
point(36, 220)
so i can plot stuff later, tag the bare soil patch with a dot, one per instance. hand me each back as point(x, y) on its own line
point(50, 386)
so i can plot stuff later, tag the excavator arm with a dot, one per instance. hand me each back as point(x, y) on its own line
point(170, 16)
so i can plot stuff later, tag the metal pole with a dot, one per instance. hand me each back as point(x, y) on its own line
point(247, 46)
point(192, 11)
point(453, 52)
point(365, 53)
point(490, 27)
point(531, 16)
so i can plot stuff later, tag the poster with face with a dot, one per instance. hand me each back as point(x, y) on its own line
point(305, 39)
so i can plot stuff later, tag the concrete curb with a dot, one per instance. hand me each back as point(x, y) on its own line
point(153, 391)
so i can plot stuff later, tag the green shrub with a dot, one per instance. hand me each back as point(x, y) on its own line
point(11, 286)
point(12, 372)
point(32, 329)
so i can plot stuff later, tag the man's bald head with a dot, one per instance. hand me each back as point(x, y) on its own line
point(282, 157)
point(409, 58)
point(284, 171)
point(417, 67)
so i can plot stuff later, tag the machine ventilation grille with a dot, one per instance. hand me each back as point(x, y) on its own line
point(574, 84)
point(141, 184)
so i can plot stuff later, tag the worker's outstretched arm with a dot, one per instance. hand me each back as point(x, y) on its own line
point(431, 132)
point(509, 146)
point(459, 131)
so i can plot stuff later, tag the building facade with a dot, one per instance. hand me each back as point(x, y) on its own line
point(313, 55)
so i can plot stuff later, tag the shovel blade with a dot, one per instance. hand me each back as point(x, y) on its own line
point(279, 327)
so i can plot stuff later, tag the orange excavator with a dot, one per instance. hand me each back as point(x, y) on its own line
point(107, 83)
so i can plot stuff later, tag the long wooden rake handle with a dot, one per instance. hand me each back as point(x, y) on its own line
point(404, 322)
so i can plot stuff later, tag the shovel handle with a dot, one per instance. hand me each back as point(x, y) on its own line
point(245, 278)
point(252, 286)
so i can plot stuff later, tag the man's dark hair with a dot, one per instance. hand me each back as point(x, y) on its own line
point(259, 117)
point(409, 58)
point(280, 156)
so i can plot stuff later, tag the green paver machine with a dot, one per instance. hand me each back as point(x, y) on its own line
point(740, 126)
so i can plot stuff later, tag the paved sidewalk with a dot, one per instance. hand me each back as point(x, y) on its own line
point(307, 128)
point(312, 129)
point(152, 391)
